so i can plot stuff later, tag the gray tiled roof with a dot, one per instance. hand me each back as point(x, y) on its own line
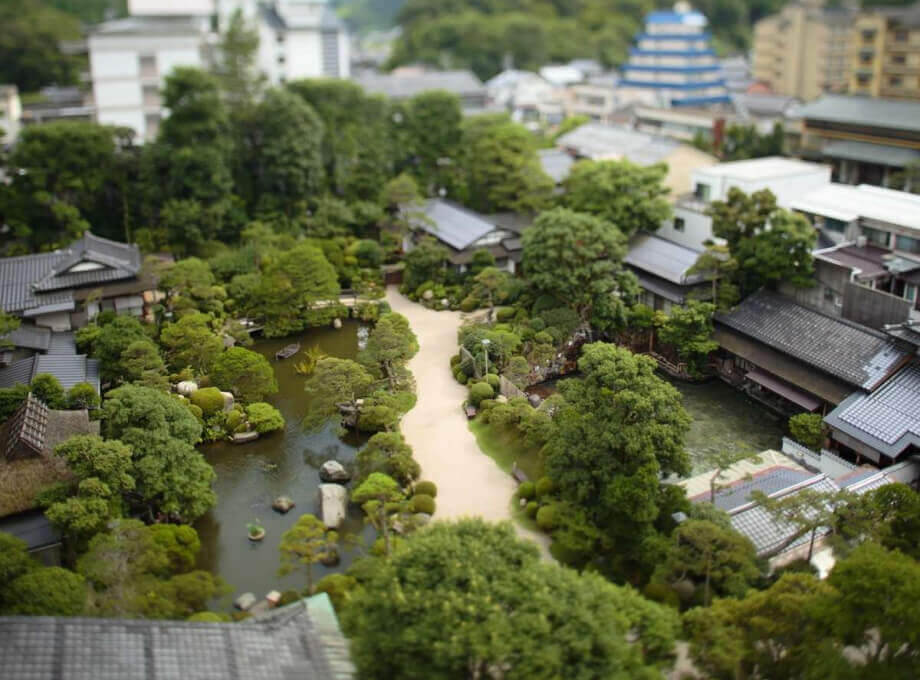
point(769, 482)
point(27, 427)
point(556, 163)
point(33, 528)
point(662, 258)
point(883, 154)
point(888, 419)
point(766, 533)
point(31, 282)
point(30, 336)
point(456, 226)
point(299, 641)
point(69, 369)
point(868, 111)
point(855, 354)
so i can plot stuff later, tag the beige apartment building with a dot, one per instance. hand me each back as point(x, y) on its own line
point(885, 54)
point(804, 51)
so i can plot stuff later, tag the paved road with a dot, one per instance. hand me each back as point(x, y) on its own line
point(470, 484)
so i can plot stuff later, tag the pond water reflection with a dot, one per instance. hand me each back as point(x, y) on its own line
point(251, 476)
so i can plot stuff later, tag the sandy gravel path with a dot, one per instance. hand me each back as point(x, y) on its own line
point(470, 484)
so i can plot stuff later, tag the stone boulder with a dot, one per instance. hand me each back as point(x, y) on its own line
point(273, 598)
point(333, 502)
point(337, 324)
point(534, 399)
point(186, 387)
point(228, 401)
point(245, 602)
point(282, 504)
point(428, 294)
point(332, 471)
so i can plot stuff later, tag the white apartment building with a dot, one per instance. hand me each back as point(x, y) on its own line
point(788, 179)
point(131, 57)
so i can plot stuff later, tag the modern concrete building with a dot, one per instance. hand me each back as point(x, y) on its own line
point(131, 57)
point(787, 178)
point(673, 63)
point(885, 54)
point(803, 51)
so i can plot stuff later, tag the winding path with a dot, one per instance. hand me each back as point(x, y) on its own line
point(470, 484)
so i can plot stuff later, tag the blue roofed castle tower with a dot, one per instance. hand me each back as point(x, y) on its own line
point(673, 63)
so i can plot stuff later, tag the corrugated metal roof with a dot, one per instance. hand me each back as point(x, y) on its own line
point(663, 258)
point(855, 354)
point(613, 142)
point(62, 343)
point(867, 111)
point(456, 226)
point(17, 373)
point(300, 641)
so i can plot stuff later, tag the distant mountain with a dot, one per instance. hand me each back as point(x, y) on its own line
point(369, 15)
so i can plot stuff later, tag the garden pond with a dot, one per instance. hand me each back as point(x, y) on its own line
point(285, 463)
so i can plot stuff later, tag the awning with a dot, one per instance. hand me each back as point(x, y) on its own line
point(882, 154)
point(784, 389)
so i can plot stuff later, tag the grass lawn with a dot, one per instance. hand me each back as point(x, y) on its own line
point(505, 446)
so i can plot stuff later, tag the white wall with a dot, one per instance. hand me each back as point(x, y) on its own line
point(304, 55)
point(697, 228)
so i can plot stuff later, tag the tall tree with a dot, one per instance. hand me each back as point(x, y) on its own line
point(305, 544)
point(235, 63)
point(191, 342)
point(334, 382)
point(245, 373)
point(576, 258)
point(283, 154)
point(619, 431)
point(502, 169)
point(504, 610)
point(688, 330)
point(30, 45)
point(377, 495)
point(741, 216)
point(629, 196)
point(390, 345)
point(432, 126)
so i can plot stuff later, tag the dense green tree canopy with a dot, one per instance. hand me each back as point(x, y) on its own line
point(502, 608)
point(190, 341)
point(333, 382)
point(629, 196)
point(576, 258)
point(390, 345)
point(621, 428)
point(245, 373)
point(30, 53)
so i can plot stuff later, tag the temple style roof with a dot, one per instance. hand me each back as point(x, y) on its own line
point(857, 355)
point(44, 282)
point(301, 641)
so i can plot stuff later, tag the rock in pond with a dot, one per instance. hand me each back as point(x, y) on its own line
point(333, 499)
point(228, 401)
point(334, 471)
point(245, 601)
point(282, 504)
point(331, 558)
point(337, 324)
point(273, 598)
point(245, 437)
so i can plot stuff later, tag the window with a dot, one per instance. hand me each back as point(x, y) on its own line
point(829, 294)
point(895, 81)
point(910, 293)
point(876, 236)
point(907, 244)
point(679, 224)
point(701, 191)
point(838, 226)
point(900, 36)
point(868, 36)
point(898, 59)
point(148, 65)
point(863, 78)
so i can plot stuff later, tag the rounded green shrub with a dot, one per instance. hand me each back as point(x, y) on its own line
point(208, 399)
point(455, 360)
point(526, 490)
point(264, 417)
point(461, 377)
point(543, 338)
point(288, 597)
point(207, 617)
point(423, 503)
point(480, 391)
point(531, 508)
point(537, 324)
point(487, 404)
point(658, 591)
point(233, 420)
point(549, 517)
point(338, 587)
point(544, 487)
point(503, 314)
point(469, 304)
point(427, 488)
point(493, 381)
